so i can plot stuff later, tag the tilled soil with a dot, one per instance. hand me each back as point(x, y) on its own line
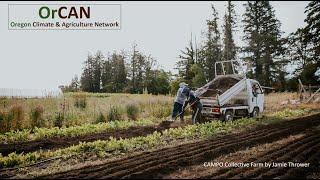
point(61, 142)
point(158, 163)
point(302, 150)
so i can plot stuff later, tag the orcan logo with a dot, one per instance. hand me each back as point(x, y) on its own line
point(65, 12)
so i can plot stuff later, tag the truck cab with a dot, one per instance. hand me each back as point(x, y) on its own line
point(257, 97)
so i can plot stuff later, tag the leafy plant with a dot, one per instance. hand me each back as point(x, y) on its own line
point(290, 112)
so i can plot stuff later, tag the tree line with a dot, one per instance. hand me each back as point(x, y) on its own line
point(118, 72)
point(269, 55)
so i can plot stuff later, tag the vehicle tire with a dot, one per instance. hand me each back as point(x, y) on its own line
point(255, 112)
point(228, 116)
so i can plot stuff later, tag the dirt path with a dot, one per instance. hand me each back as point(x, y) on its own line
point(158, 163)
point(61, 142)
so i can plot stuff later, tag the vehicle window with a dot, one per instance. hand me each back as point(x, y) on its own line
point(256, 88)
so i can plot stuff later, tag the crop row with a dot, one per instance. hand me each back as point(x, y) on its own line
point(39, 133)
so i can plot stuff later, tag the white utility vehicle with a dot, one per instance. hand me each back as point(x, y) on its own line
point(229, 96)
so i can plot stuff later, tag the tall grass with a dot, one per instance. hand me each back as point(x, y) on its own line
point(17, 114)
point(132, 111)
point(273, 100)
point(114, 113)
point(4, 102)
point(58, 121)
point(80, 108)
point(3, 122)
point(80, 100)
point(12, 119)
point(36, 116)
point(101, 118)
point(160, 109)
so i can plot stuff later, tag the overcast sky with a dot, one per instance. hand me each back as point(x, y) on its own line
point(47, 59)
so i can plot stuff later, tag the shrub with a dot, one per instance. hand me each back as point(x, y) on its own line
point(101, 118)
point(114, 113)
point(16, 117)
point(80, 100)
point(132, 111)
point(36, 117)
point(12, 119)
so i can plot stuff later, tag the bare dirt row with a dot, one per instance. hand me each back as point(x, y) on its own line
point(158, 163)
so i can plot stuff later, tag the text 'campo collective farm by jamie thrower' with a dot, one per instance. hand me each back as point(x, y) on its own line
point(64, 17)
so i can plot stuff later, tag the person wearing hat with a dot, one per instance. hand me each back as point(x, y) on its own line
point(179, 102)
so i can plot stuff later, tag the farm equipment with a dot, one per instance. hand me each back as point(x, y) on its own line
point(231, 95)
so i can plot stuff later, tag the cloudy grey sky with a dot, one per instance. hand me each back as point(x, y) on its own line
point(47, 59)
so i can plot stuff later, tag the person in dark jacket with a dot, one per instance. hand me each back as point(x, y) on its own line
point(195, 105)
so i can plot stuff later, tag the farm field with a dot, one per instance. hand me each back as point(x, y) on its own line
point(143, 147)
point(170, 90)
point(159, 163)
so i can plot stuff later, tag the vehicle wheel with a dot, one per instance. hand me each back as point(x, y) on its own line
point(255, 113)
point(228, 116)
